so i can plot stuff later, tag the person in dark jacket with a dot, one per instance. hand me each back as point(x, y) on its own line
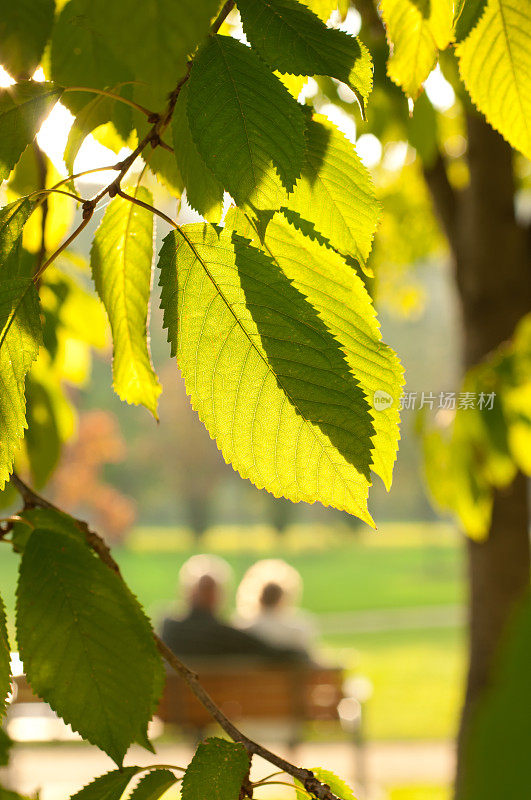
point(200, 633)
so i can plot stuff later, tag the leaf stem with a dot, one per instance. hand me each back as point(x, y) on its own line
point(154, 210)
point(113, 96)
point(56, 191)
point(86, 219)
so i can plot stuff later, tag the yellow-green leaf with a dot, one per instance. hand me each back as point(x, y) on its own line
point(23, 108)
point(335, 191)
point(416, 30)
point(121, 260)
point(247, 127)
point(267, 378)
point(495, 65)
point(343, 304)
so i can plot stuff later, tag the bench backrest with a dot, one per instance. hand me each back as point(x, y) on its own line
point(294, 693)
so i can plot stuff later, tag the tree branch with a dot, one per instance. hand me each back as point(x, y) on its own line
point(316, 787)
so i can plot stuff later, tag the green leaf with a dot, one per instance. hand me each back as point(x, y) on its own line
point(497, 751)
point(247, 127)
point(23, 108)
point(20, 337)
point(5, 659)
point(13, 217)
point(339, 297)
point(97, 112)
point(50, 420)
point(153, 785)
point(203, 191)
point(467, 15)
point(335, 191)
point(88, 649)
point(155, 37)
point(20, 332)
point(24, 30)
point(337, 785)
point(495, 65)
point(80, 56)
point(261, 368)
point(8, 794)
point(121, 258)
point(291, 39)
point(110, 786)
point(219, 765)
point(416, 31)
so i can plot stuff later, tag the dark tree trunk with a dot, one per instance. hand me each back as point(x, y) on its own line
point(493, 277)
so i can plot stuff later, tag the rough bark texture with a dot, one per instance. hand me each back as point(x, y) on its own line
point(493, 276)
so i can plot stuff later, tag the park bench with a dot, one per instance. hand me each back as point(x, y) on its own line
point(288, 696)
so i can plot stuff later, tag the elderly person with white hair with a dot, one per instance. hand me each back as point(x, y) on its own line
point(200, 632)
point(267, 601)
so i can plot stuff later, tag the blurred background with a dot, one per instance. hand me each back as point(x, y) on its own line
point(388, 605)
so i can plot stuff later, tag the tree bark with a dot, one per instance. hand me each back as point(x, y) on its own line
point(493, 277)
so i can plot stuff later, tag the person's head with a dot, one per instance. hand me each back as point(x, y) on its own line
point(271, 595)
point(267, 586)
point(203, 580)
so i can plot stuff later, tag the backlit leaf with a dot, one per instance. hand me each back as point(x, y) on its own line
point(23, 108)
point(247, 127)
point(95, 113)
point(292, 39)
point(20, 336)
point(416, 31)
point(337, 785)
point(341, 300)
point(335, 191)
point(88, 649)
point(153, 785)
point(495, 65)
point(264, 374)
point(121, 259)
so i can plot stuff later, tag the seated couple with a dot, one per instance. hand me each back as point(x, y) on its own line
point(268, 626)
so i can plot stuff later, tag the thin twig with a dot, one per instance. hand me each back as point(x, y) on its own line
point(153, 137)
point(223, 14)
point(315, 787)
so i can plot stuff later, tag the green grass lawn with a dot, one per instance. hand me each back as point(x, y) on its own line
point(400, 566)
point(416, 677)
point(415, 673)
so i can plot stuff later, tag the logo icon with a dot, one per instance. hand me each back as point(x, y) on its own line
point(382, 400)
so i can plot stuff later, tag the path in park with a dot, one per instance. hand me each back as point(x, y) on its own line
point(60, 770)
